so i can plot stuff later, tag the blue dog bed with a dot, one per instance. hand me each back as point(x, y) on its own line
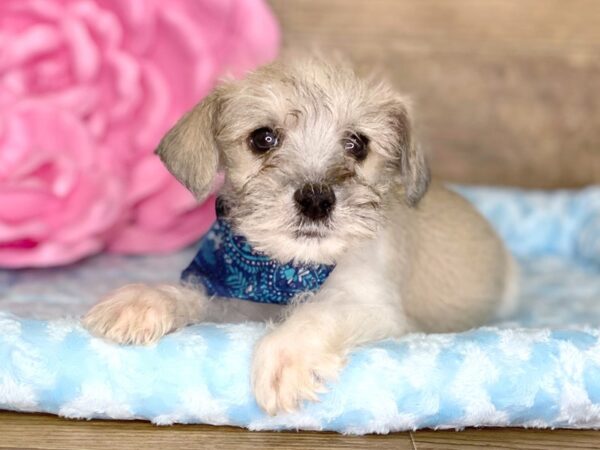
point(541, 368)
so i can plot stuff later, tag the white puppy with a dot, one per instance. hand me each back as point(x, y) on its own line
point(326, 206)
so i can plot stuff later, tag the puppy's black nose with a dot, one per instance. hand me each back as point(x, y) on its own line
point(315, 201)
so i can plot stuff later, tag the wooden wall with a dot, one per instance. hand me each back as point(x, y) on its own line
point(505, 91)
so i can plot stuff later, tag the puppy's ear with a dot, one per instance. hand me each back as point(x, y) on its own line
point(411, 162)
point(189, 149)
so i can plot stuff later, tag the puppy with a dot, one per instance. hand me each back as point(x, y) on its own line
point(327, 207)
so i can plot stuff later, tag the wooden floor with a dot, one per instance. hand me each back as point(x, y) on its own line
point(36, 431)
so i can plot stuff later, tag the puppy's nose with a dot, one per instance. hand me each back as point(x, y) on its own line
point(315, 201)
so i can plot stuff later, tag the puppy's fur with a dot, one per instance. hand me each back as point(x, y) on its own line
point(407, 258)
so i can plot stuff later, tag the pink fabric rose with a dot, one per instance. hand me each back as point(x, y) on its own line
point(87, 89)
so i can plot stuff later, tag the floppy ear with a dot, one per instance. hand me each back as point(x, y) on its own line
point(189, 149)
point(414, 171)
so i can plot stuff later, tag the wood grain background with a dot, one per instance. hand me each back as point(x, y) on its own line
point(505, 91)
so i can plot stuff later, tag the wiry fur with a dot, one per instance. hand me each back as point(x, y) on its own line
point(312, 106)
point(403, 262)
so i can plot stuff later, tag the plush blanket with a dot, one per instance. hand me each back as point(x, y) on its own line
point(541, 368)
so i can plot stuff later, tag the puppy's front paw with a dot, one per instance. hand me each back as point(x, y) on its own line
point(134, 314)
point(285, 372)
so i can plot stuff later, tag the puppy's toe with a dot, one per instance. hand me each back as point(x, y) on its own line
point(284, 374)
point(134, 314)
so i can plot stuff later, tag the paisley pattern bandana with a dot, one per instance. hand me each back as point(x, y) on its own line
point(228, 266)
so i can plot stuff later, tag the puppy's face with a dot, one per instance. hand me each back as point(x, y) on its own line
point(311, 156)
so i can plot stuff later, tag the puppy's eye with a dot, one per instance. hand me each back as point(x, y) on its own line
point(356, 146)
point(263, 139)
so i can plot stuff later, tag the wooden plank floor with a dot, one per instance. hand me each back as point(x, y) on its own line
point(42, 432)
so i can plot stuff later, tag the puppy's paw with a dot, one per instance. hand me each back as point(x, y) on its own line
point(285, 372)
point(133, 314)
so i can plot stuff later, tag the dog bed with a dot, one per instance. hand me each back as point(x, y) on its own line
point(539, 368)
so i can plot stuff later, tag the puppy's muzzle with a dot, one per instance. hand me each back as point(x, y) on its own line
point(315, 201)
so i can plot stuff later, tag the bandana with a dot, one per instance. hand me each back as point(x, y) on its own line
point(228, 266)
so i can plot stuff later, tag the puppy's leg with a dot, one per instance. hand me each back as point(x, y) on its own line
point(141, 314)
point(292, 362)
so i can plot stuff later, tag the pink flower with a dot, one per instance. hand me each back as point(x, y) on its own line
point(56, 206)
point(87, 89)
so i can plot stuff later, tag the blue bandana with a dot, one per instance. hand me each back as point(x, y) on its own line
point(229, 267)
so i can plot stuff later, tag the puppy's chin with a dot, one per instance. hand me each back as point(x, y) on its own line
point(283, 236)
point(307, 247)
point(307, 243)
